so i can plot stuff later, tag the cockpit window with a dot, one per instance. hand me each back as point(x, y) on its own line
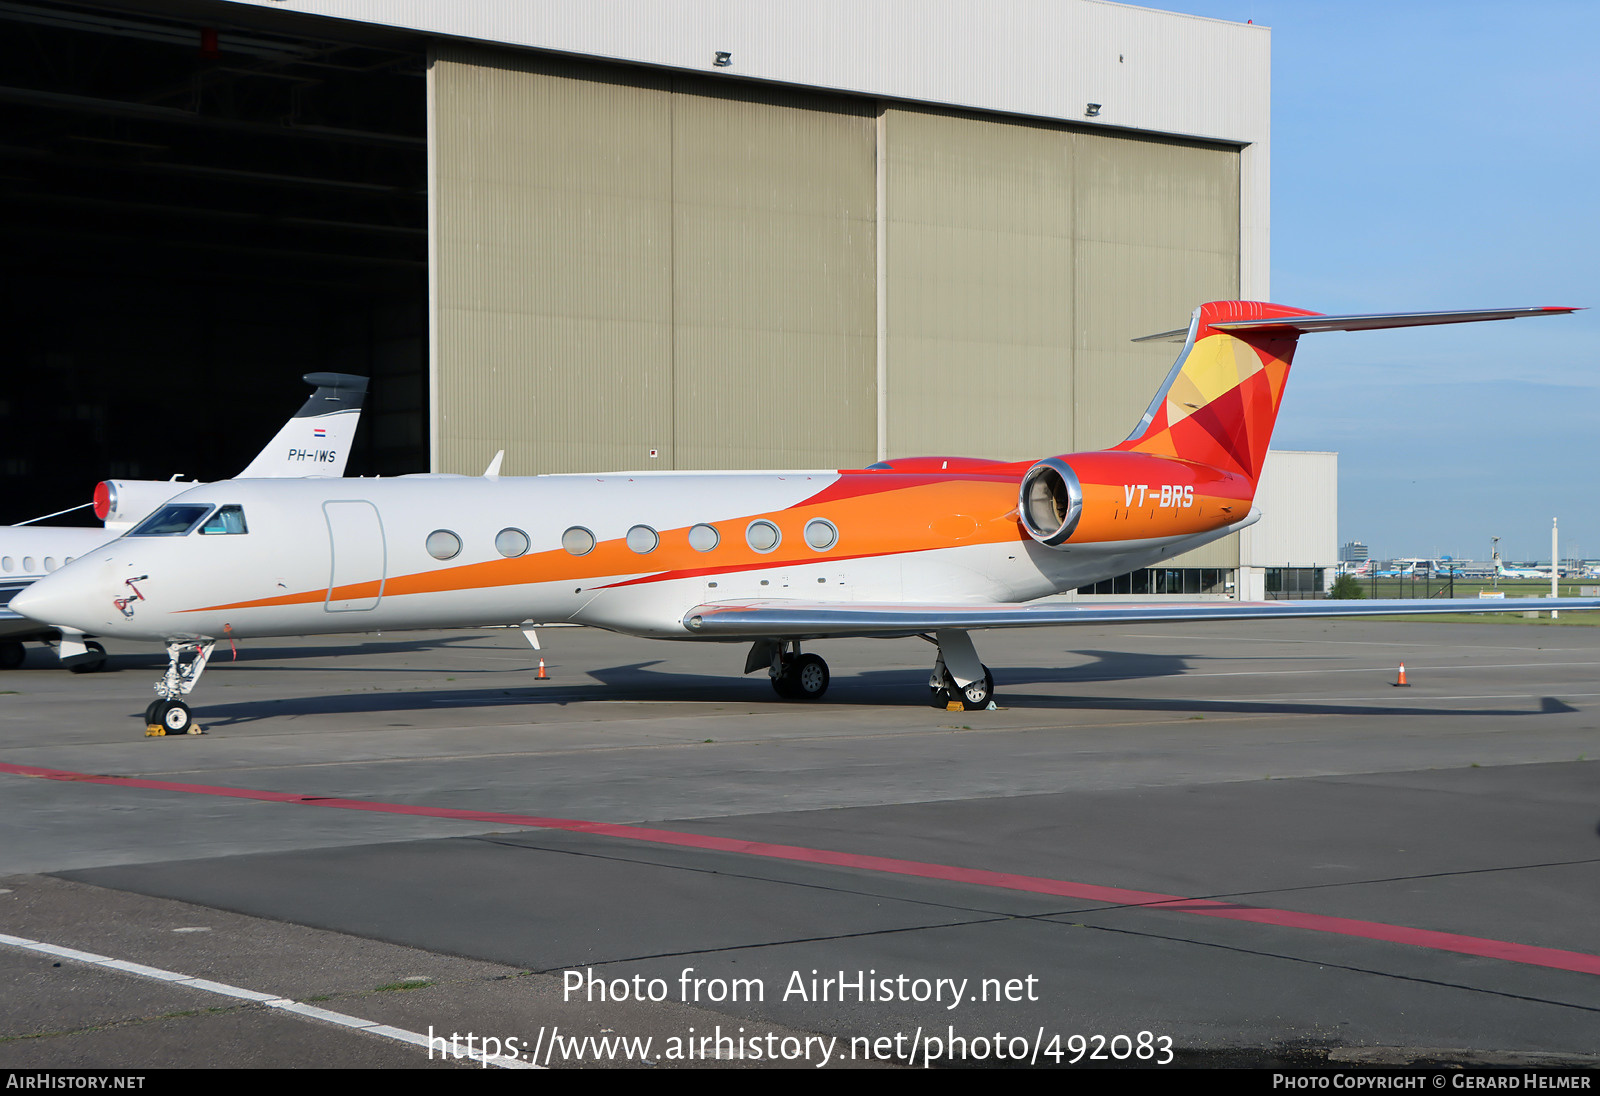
point(173, 520)
point(228, 519)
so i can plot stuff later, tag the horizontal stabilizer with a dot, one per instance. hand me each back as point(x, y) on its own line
point(1368, 322)
point(1308, 324)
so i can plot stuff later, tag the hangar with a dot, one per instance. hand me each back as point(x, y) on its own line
point(630, 235)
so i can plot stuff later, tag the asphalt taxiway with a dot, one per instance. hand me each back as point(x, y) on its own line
point(1223, 843)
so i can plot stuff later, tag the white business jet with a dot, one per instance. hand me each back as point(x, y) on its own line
point(315, 442)
point(932, 547)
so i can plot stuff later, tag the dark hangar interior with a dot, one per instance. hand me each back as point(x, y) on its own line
point(196, 214)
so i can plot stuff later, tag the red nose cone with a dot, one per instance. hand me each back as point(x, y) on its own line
point(102, 500)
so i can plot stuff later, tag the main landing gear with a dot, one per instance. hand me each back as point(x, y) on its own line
point(975, 696)
point(81, 656)
point(794, 676)
point(94, 661)
point(78, 655)
point(958, 682)
point(167, 714)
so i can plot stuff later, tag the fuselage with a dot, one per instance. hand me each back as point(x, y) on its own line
point(628, 551)
point(1520, 572)
point(29, 552)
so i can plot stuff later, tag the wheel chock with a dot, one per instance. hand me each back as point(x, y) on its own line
point(156, 730)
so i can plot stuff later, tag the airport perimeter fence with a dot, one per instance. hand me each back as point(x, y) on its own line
point(1469, 586)
point(1314, 583)
point(1414, 586)
point(1447, 584)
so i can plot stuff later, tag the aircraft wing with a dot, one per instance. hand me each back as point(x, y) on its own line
point(820, 619)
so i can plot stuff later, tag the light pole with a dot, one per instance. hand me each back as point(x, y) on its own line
point(1494, 559)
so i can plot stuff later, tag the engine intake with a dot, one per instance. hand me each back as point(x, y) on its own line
point(1050, 501)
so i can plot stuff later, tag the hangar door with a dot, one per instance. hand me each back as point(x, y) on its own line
point(638, 269)
point(1022, 258)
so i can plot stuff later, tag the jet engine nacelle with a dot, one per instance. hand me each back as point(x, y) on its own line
point(1050, 501)
point(1117, 495)
point(121, 503)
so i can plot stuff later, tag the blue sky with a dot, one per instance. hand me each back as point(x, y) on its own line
point(1435, 156)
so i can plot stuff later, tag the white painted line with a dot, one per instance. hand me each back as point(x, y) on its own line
point(282, 1004)
point(331, 1017)
point(148, 972)
point(400, 1034)
point(226, 990)
point(65, 953)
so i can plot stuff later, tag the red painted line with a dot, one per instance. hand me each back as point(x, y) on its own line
point(1205, 907)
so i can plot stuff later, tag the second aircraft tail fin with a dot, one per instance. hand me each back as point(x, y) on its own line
point(316, 442)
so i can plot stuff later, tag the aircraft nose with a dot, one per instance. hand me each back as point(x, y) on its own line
point(67, 597)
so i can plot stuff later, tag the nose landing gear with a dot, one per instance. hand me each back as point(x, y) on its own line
point(164, 717)
point(168, 714)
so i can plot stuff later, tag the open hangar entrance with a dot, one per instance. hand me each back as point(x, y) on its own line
point(198, 212)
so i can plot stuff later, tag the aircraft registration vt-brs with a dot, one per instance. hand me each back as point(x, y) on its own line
point(931, 547)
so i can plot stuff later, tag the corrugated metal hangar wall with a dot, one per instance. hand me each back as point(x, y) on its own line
point(633, 261)
point(735, 275)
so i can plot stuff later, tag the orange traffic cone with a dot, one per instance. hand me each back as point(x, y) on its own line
point(543, 675)
point(1402, 681)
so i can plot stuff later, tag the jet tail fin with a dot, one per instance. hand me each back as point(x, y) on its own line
point(316, 442)
point(1220, 401)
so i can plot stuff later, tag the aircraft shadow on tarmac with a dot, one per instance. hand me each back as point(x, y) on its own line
point(260, 659)
point(641, 682)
